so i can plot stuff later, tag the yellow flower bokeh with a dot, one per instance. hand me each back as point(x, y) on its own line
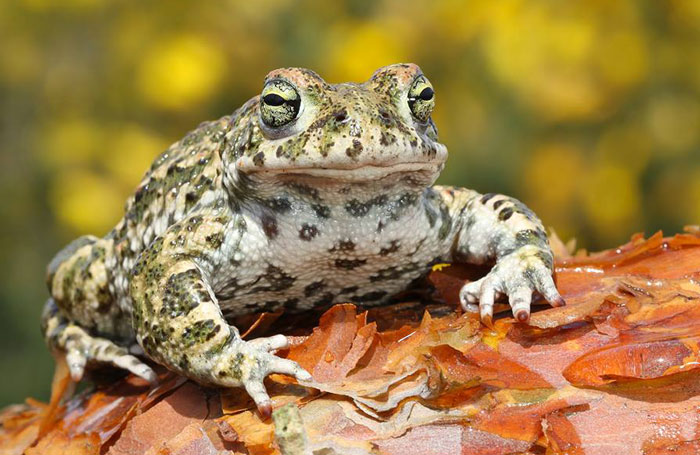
point(537, 97)
point(179, 71)
point(358, 49)
point(566, 60)
point(84, 201)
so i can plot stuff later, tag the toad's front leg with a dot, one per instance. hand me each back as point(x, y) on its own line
point(493, 227)
point(178, 321)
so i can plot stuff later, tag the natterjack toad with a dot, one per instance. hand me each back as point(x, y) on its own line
point(309, 194)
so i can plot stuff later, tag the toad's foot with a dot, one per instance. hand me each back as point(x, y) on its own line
point(516, 275)
point(81, 348)
point(247, 363)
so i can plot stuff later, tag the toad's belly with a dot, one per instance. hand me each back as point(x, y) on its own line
point(365, 260)
point(321, 280)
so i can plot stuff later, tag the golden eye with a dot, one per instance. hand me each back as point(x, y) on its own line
point(421, 98)
point(279, 103)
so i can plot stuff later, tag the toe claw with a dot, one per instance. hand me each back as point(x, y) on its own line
point(257, 392)
point(265, 409)
point(522, 315)
point(148, 375)
point(558, 302)
point(520, 299)
point(76, 365)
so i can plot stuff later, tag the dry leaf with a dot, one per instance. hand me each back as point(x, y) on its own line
point(615, 371)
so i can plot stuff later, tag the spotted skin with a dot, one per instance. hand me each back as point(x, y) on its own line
point(307, 195)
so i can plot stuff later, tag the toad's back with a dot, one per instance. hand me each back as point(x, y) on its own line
point(90, 276)
point(186, 177)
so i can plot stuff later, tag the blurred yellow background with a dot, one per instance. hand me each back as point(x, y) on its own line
point(586, 110)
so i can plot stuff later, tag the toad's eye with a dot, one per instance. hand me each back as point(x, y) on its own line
point(421, 99)
point(279, 103)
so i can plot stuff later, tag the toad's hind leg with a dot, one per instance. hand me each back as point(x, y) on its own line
point(82, 317)
point(82, 348)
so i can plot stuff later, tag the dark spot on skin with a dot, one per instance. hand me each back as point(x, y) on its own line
point(279, 151)
point(182, 293)
point(390, 273)
point(183, 363)
point(321, 211)
point(306, 190)
point(530, 274)
point(221, 219)
point(359, 209)
point(498, 203)
point(279, 204)
point(277, 279)
point(430, 214)
point(193, 223)
point(325, 148)
point(343, 245)
point(487, 197)
point(308, 232)
point(504, 214)
point(159, 334)
point(392, 248)
point(349, 289)
point(407, 199)
point(190, 198)
point(148, 256)
point(387, 138)
point(349, 264)
point(519, 207)
point(446, 222)
point(229, 289)
point(313, 288)
point(259, 159)
point(530, 237)
point(326, 299)
point(269, 225)
point(369, 297)
point(199, 332)
point(546, 258)
point(235, 369)
point(215, 240)
point(355, 150)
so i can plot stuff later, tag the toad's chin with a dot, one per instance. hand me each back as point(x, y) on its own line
point(361, 173)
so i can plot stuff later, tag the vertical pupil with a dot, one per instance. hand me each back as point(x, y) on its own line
point(273, 99)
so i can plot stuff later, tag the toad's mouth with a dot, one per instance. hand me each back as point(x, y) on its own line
point(359, 173)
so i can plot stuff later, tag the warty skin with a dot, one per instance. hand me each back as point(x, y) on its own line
point(307, 195)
